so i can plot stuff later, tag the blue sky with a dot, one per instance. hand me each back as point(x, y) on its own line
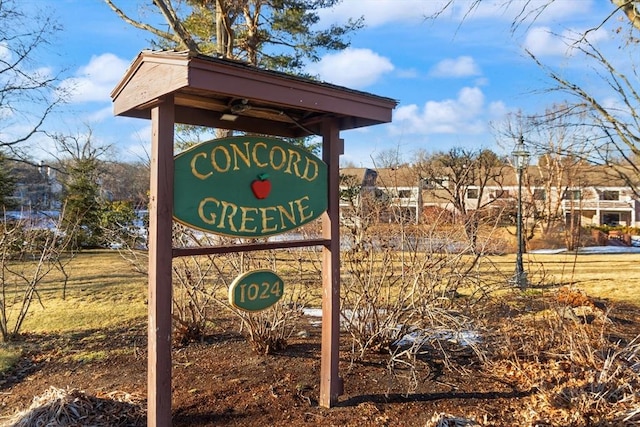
point(451, 80)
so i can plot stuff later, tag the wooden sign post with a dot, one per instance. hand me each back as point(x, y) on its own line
point(188, 88)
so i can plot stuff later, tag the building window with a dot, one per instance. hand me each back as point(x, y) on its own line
point(404, 194)
point(611, 219)
point(572, 195)
point(472, 193)
point(610, 195)
point(500, 194)
point(539, 194)
point(433, 183)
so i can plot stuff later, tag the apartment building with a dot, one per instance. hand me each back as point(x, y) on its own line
point(593, 197)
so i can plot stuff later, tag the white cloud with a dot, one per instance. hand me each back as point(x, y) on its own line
point(524, 12)
point(94, 81)
point(354, 68)
point(6, 112)
point(462, 115)
point(462, 66)
point(497, 110)
point(380, 12)
point(541, 41)
point(100, 115)
point(407, 73)
point(5, 52)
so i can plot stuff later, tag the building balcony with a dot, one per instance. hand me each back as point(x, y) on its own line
point(590, 205)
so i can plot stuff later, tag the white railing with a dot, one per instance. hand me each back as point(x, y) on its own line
point(577, 205)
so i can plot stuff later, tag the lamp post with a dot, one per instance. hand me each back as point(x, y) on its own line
point(520, 160)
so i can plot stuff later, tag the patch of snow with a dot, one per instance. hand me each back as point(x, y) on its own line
point(463, 338)
point(548, 251)
point(592, 250)
point(609, 250)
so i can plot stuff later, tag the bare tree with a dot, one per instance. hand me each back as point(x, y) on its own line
point(126, 182)
point(389, 158)
point(612, 103)
point(461, 177)
point(557, 140)
point(178, 34)
point(28, 94)
point(614, 137)
point(528, 11)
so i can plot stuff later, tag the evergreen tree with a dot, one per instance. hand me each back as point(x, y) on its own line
point(274, 34)
point(81, 177)
point(7, 185)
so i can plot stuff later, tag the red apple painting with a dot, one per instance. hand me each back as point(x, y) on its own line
point(261, 187)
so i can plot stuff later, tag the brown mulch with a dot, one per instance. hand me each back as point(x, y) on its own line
point(219, 381)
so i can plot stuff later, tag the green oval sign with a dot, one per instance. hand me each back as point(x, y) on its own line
point(248, 186)
point(256, 290)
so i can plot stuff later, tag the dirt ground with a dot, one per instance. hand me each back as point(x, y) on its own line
point(222, 382)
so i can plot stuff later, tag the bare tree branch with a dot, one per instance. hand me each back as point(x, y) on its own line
point(27, 96)
point(183, 36)
point(175, 37)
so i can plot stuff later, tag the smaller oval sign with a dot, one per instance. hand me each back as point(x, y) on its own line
point(256, 290)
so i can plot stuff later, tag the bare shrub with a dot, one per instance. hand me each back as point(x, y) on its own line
point(269, 330)
point(409, 290)
point(567, 353)
point(29, 251)
point(194, 294)
point(201, 283)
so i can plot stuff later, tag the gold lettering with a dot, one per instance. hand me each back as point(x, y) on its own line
point(292, 154)
point(194, 171)
point(245, 219)
point(214, 160)
point(291, 216)
point(302, 208)
point(229, 216)
point(254, 154)
point(266, 219)
point(211, 219)
point(305, 175)
point(283, 154)
point(244, 156)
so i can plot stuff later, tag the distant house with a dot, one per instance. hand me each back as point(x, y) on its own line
point(37, 188)
point(595, 198)
point(599, 205)
point(390, 194)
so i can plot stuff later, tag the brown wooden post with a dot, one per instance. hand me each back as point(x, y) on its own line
point(330, 382)
point(160, 257)
point(195, 89)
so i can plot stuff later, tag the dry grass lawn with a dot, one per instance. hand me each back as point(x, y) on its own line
point(541, 365)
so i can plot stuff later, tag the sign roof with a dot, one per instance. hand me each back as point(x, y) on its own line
point(272, 103)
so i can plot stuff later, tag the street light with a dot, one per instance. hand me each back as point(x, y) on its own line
point(520, 160)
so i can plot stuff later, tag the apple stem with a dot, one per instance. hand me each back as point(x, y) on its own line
point(263, 176)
